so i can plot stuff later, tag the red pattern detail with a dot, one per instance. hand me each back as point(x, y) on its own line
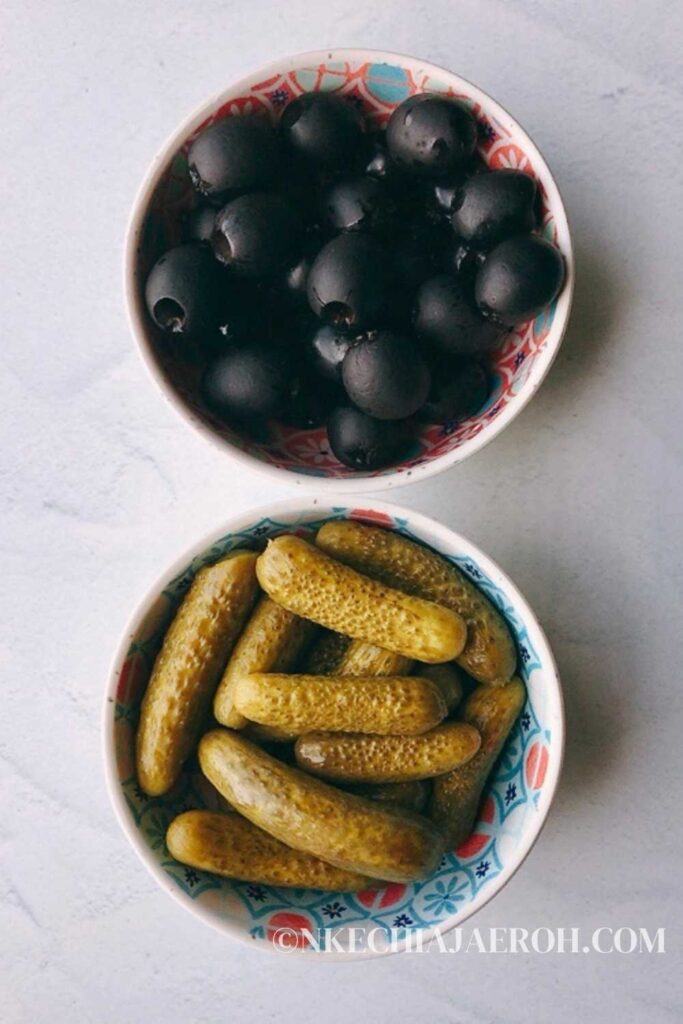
point(132, 679)
point(472, 846)
point(287, 929)
point(367, 515)
point(536, 765)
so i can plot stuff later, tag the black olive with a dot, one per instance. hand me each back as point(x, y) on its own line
point(233, 155)
point(431, 135)
point(257, 235)
point(520, 277)
point(352, 282)
point(183, 290)
point(329, 345)
point(447, 318)
point(459, 389)
point(200, 223)
point(323, 127)
point(385, 375)
point(364, 443)
point(494, 206)
point(357, 204)
point(248, 383)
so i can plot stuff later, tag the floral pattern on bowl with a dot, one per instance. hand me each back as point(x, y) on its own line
point(378, 86)
point(516, 802)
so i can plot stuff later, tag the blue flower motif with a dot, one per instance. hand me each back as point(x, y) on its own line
point(473, 571)
point(486, 130)
point(519, 359)
point(526, 721)
point(260, 530)
point(482, 869)
point(510, 793)
point(278, 97)
point(333, 910)
point(402, 921)
point(443, 898)
point(191, 877)
point(493, 412)
point(257, 892)
point(524, 654)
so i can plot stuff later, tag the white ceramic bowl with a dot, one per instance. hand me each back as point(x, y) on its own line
point(379, 81)
point(516, 803)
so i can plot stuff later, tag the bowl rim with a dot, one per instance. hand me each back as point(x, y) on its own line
point(357, 483)
point(305, 505)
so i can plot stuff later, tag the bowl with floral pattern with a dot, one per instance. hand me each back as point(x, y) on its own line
point(378, 82)
point(361, 924)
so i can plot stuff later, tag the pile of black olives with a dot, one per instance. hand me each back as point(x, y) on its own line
point(334, 274)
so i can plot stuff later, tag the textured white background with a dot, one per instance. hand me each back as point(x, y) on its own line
point(102, 486)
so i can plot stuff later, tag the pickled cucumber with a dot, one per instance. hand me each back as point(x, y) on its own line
point(188, 667)
point(448, 678)
point(354, 757)
point(229, 845)
point(272, 641)
point(361, 659)
point(309, 583)
point(309, 815)
point(325, 653)
point(400, 705)
point(489, 654)
point(412, 796)
point(493, 710)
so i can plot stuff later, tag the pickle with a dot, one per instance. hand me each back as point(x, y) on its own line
point(268, 733)
point(337, 655)
point(489, 654)
point(410, 795)
point(309, 815)
point(354, 757)
point(188, 667)
point(326, 653)
point(272, 641)
point(449, 680)
point(309, 583)
point(400, 705)
point(361, 659)
point(229, 845)
point(493, 710)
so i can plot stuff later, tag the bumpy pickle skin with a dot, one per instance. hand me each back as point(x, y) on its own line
point(229, 845)
point(399, 705)
point(411, 796)
point(448, 678)
point(309, 583)
point(272, 641)
point(489, 655)
point(188, 667)
point(309, 815)
point(325, 654)
point(493, 710)
point(361, 659)
point(354, 757)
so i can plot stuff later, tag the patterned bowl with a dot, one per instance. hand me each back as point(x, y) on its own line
point(515, 806)
point(378, 81)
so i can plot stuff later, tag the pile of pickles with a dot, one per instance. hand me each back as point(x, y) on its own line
point(363, 687)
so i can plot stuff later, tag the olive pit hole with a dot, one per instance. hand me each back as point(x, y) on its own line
point(169, 314)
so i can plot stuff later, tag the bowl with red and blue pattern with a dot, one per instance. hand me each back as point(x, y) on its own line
point(515, 803)
point(377, 82)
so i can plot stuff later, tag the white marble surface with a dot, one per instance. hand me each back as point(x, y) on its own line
point(102, 485)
